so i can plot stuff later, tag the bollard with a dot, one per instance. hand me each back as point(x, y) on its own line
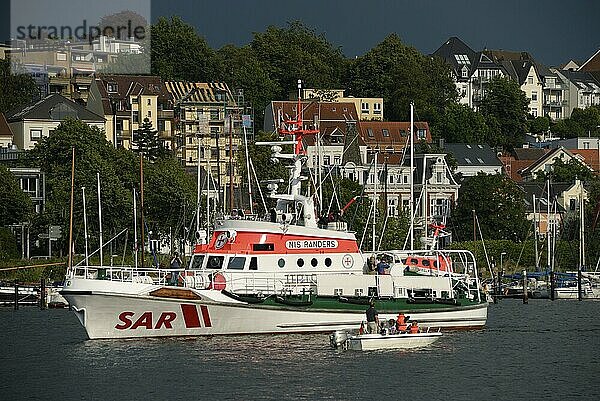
point(43, 294)
point(16, 294)
point(525, 300)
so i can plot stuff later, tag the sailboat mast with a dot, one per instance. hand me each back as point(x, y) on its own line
point(70, 263)
point(411, 180)
point(375, 201)
point(548, 223)
point(248, 170)
point(142, 204)
point(100, 218)
point(535, 236)
point(135, 236)
point(198, 188)
point(85, 230)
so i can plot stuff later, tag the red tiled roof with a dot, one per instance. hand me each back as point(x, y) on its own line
point(374, 133)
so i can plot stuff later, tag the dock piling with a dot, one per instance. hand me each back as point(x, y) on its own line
point(525, 299)
point(43, 293)
point(16, 294)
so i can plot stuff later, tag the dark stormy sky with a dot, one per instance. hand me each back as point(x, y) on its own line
point(553, 31)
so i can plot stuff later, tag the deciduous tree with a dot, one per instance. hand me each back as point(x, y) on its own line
point(499, 204)
point(505, 108)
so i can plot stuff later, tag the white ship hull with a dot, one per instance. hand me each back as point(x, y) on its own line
point(122, 310)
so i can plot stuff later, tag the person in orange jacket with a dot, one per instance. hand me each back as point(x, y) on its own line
point(401, 322)
point(414, 328)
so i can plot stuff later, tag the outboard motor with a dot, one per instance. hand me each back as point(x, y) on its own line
point(338, 338)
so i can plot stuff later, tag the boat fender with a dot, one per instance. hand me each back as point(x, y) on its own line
point(218, 282)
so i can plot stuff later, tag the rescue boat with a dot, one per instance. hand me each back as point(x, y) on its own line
point(281, 274)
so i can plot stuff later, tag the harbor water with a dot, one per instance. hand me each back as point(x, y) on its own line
point(542, 350)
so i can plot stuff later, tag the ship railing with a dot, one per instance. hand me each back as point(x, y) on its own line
point(124, 274)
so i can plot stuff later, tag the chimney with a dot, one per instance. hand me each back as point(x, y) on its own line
point(441, 143)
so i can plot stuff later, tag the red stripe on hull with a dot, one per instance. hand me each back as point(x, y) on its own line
point(190, 316)
point(205, 316)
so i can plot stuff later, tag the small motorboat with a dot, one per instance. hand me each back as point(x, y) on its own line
point(368, 342)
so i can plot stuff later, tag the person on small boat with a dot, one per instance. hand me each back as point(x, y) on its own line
point(392, 327)
point(401, 322)
point(414, 327)
point(372, 319)
point(175, 263)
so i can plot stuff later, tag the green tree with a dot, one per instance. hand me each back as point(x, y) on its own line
point(146, 141)
point(241, 69)
point(498, 202)
point(15, 205)
point(93, 154)
point(16, 90)
point(538, 125)
point(568, 172)
point(170, 195)
point(505, 107)
point(8, 245)
point(461, 124)
point(401, 74)
point(297, 52)
point(178, 52)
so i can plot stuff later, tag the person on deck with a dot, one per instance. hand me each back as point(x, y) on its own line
point(401, 322)
point(382, 267)
point(175, 261)
point(372, 319)
point(414, 327)
point(175, 264)
point(392, 327)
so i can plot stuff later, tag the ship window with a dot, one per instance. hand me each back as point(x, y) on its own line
point(314, 262)
point(328, 262)
point(435, 263)
point(215, 262)
point(236, 263)
point(300, 262)
point(253, 263)
point(196, 262)
point(263, 247)
point(414, 261)
point(281, 262)
point(358, 292)
point(338, 291)
point(425, 262)
point(372, 292)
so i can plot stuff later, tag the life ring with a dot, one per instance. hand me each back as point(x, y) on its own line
point(218, 282)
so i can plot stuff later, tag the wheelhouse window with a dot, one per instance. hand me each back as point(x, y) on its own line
point(236, 263)
point(253, 263)
point(215, 262)
point(196, 262)
point(263, 247)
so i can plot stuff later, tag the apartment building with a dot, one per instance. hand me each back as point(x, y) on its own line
point(211, 125)
point(126, 100)
point(367, 108)
point(38, 120)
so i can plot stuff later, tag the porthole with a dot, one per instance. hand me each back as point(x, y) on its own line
point(328, 262)
point(314, 262)
point(300, 262)
point(281, 262)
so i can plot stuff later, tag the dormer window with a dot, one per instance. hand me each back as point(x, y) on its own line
point(112, 87)
point(385, 132)
point(370, 132)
